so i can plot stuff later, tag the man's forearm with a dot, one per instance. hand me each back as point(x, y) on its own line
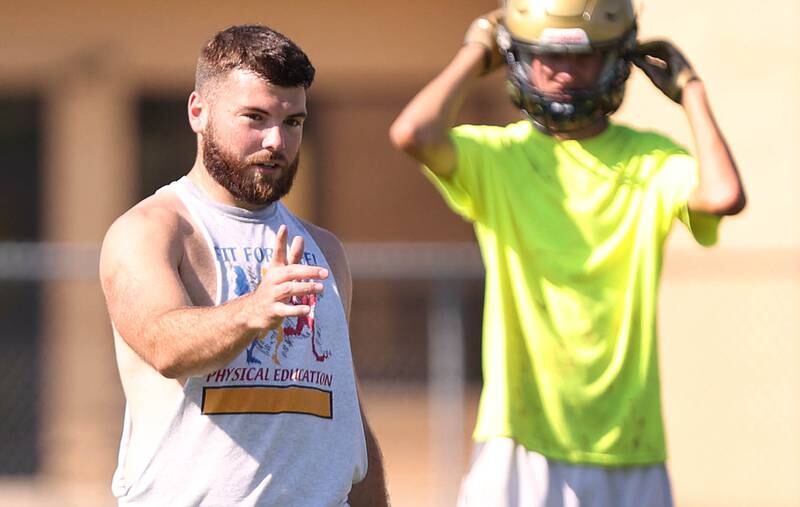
point(197, 340)
point(720, 189)
point(437, 105)
point(422, 127)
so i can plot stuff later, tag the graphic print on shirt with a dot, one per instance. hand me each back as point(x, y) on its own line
point(279, 343)
point(278, 374)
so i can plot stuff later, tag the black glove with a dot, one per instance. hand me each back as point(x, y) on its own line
point(483, 31)
point(666, 67)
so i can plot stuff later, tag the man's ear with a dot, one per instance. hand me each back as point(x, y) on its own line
point(197, 109)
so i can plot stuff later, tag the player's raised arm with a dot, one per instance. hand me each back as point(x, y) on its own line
point(421, 129)
point(719, 190)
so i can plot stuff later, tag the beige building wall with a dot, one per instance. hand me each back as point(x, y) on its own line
point(730, 322)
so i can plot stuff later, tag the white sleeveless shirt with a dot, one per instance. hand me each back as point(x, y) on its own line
point(278, 426)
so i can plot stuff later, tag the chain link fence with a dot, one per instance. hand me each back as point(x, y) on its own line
point(415, 321)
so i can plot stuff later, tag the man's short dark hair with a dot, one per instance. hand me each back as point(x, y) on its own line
point(256, 48)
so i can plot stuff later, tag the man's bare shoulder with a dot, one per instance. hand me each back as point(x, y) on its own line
point(162, 210)
point(155, 226)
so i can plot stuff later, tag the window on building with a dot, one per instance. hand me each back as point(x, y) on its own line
point(167, 144)
point(20, 298)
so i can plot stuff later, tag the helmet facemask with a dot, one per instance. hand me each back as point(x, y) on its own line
point(613, 36)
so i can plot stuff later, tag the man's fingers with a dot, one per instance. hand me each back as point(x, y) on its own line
point(296, 250)
point(657, 49)
point(663, 54)
point(656, 62)
point(286, 310)
point(653, 72)
point(483, 31)
point(291, 289)
point(294, 272)
point(279, 249)
point(279, 255)
point(640, 62)
point(666, 67)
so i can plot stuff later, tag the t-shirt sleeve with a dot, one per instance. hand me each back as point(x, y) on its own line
point(464, 190)
point(678, 178)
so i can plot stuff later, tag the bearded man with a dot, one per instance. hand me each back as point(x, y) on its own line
point(232, 345)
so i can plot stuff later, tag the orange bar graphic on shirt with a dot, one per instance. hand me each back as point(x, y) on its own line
point(267, 400)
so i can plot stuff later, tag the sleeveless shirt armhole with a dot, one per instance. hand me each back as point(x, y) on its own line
point(299, 223)
point(177, 187)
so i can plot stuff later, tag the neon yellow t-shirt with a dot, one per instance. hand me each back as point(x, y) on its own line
point(571, 234)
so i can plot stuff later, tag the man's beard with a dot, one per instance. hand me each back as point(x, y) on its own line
point(244, 181)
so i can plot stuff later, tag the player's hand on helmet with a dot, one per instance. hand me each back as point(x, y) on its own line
point(483, 31)
point(666, 67)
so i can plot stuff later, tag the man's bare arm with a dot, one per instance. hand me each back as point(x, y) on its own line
point(422, 128)
point(719, 190)
point(371, 491)
point(153, 313)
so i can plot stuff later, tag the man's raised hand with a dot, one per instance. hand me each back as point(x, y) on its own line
point(281, 281)
point(666, 67)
